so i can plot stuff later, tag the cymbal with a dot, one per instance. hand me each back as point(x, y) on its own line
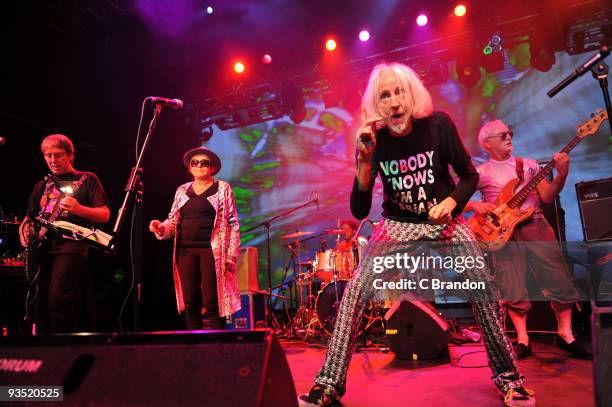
point(334, 231)
point(297, 234)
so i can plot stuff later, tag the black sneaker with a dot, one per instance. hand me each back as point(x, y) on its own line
point(574, 349)
point(319, 396)
point(519, 397)
point(522, 351)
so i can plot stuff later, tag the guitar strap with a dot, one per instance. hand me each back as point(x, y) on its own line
point(520, 174)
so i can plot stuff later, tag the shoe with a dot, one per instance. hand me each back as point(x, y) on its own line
point(519, 397)
point(319, 396)
point(574, 349)
point(522, 351)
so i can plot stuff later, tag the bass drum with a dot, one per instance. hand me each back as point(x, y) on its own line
point(328, 306)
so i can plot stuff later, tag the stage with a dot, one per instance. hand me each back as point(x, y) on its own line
point(378, 379)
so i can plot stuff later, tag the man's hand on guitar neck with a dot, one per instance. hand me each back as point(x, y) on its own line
point(561, 164)
point(549, 192)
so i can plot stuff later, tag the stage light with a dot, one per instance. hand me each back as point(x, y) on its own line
point(468, 73)
point(209, 10)
point(206, 134)
point(421, 20)
point(330, 44)
point(239, 67)
point(364, 35)
point(266, 59)
point(495, 44)
point(460, 10)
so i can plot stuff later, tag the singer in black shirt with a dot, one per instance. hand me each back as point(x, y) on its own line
point(411, 147)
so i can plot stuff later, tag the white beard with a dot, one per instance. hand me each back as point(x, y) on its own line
point(398, 129)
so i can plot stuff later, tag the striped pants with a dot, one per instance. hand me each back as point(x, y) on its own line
point(386, 239)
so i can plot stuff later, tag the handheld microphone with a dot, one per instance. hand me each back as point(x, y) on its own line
point(317, 199)
point(172, 103)
point(366, 140)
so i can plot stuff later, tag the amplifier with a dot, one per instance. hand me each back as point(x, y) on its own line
point(594, 202)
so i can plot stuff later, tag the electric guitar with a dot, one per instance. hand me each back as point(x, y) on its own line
point(495, 228)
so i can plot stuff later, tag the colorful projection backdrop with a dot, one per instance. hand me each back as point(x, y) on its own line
point(277, 165)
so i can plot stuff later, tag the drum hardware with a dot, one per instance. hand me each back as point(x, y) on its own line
point(297, 235)
point(266, 224)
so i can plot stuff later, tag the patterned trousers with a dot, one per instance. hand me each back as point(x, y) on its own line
point(386, 239)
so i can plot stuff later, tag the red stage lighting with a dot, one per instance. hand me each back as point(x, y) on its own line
point(266, 59)
point(330, 44)
point(239, 67)
point(422, 20)
point(364, 35)
point(460, 10)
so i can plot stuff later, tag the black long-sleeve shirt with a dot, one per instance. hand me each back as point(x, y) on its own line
point(415, 173)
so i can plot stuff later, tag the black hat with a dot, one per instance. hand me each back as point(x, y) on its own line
point(214, 158)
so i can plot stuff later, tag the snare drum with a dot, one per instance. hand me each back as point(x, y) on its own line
point(327, 261)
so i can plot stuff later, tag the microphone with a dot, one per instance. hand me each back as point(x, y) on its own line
point(172, 103)
point(366, 140)
point(2, 141)
point(317, 199)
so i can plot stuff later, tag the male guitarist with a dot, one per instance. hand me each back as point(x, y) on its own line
point(70, 195)
point(545, 260)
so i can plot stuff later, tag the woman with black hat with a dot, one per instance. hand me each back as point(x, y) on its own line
point(204, 224)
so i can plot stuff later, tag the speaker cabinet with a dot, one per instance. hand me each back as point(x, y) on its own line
point(238, 368)
point(594, 202)
point(416, 330)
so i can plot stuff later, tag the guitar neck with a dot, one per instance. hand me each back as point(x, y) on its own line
point(57, 210)
point(518, 199)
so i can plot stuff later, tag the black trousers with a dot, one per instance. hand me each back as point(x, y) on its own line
point(65, 291)
point(196, 267)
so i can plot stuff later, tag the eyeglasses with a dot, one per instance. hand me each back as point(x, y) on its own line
point(504, 135)
point(200, 163)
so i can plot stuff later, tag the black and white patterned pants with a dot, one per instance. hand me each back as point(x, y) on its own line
point(387, 237)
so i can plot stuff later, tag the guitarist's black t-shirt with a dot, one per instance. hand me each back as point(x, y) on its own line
point(42, 201)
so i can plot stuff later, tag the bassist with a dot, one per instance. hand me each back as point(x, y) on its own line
point(545, 260)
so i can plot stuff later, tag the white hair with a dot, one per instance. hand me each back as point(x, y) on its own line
point(419, 102)
point(486, 130)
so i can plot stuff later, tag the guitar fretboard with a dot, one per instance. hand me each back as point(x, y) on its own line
point(518, 199)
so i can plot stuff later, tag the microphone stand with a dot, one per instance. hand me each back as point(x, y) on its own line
point(600, 72)
point(266, 224)
point(133, 188)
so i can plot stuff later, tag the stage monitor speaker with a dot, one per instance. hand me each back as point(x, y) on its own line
point(594, 202)
point(238, 368)
point(248, 269)
point(416, 330)
point(601, 325)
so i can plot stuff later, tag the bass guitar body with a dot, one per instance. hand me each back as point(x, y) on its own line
point(493, 230)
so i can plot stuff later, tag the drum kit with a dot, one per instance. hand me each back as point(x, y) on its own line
point(331, 270)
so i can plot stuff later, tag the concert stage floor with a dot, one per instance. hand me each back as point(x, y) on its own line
point(378, 379)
